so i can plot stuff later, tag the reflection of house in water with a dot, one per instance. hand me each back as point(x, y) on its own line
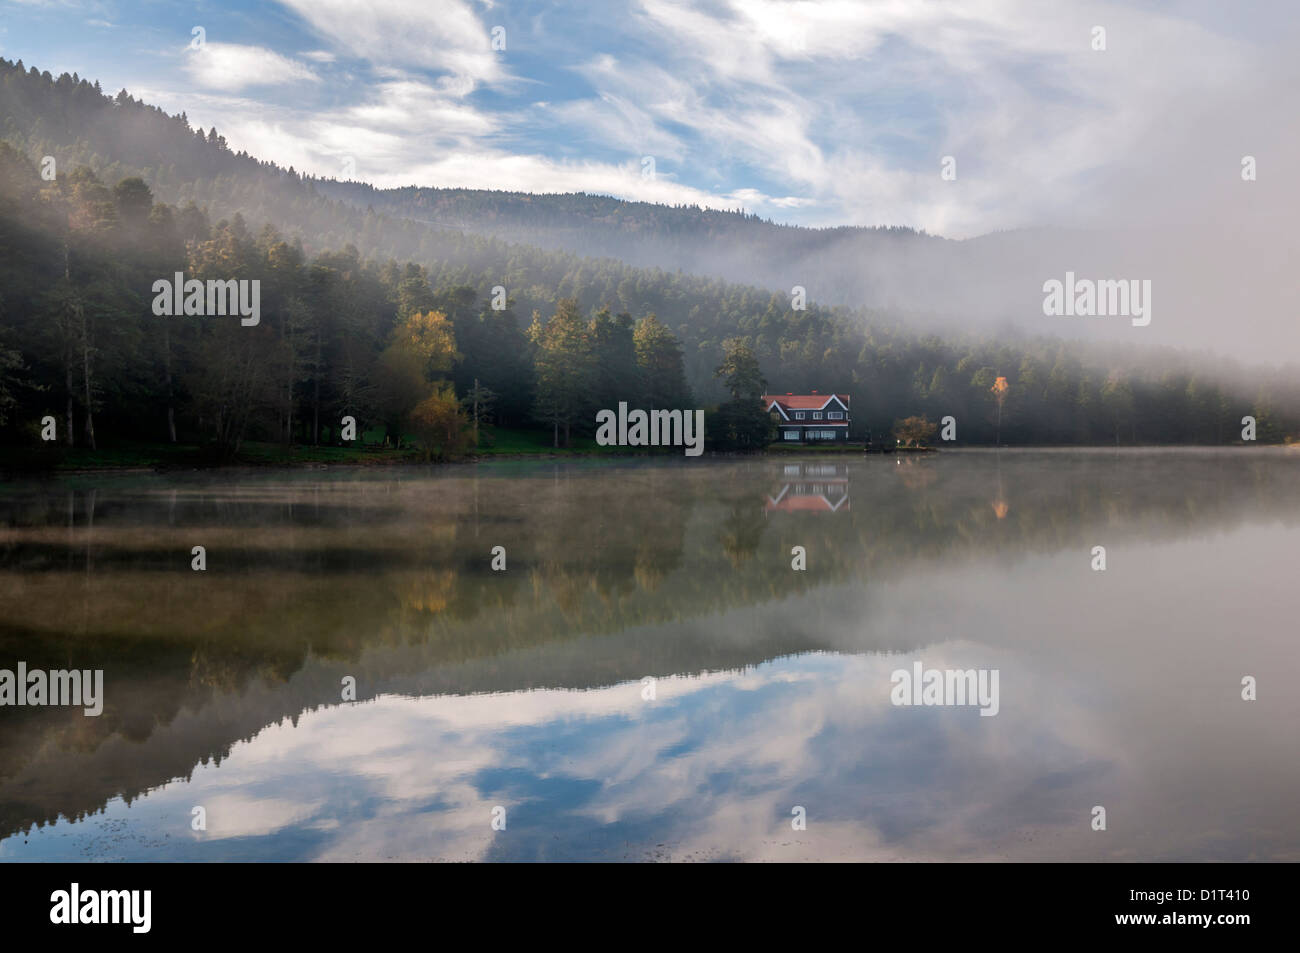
point(811, 488)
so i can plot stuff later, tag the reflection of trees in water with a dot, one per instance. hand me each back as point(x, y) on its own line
point(566, 588)
point(742, 529)
point(341, 568)
point(593, 548)
point(660, 551)
point(1000, 506)
point(430, 592)
point(915, 472)
point(336, 572)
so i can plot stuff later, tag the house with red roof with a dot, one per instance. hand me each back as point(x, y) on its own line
point(810, 418)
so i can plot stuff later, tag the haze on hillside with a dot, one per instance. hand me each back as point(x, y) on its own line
point(1121, 163)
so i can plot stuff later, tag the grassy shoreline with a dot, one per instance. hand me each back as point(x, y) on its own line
point(147, 457)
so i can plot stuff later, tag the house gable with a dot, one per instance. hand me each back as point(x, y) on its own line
point(773, 402)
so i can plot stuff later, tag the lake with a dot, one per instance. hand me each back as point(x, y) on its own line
point(648, 678)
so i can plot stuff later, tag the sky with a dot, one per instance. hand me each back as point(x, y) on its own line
point(817, 113)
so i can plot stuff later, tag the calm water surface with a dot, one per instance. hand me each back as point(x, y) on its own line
point(530, 689)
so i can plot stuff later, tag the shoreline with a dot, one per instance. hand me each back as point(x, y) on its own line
point(387, 459)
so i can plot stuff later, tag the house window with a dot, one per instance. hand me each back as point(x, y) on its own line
point(817, 415)
point(790, 435)
point(835, 415)
point(798, 415)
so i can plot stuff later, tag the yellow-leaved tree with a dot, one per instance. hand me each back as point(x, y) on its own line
point(414, 393)
point(439, 423)
point(431, 338)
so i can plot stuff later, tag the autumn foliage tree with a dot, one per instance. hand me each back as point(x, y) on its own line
point(438, 421)
point(420, 353)
point(914, 431)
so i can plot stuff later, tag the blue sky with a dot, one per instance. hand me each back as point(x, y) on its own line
point(826, 113)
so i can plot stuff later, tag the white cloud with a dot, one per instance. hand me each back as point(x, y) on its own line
point(854, 104)
point(444, 36)
point(411, 107)
point(230, 67)
point(414, 133)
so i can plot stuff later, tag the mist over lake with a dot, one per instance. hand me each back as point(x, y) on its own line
point(648, 678)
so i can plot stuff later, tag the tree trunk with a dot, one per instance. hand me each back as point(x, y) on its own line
point(67, 381)
point(315, 423)
point(286, 421)
point(85, 376)
point(291, 368)
point(84, 330)
point(66, 334)
point(167, 370)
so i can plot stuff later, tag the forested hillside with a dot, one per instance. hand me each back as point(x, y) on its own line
point(835, 264)
point(140, 195)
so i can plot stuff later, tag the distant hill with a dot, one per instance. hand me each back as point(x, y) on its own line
point(735, 246)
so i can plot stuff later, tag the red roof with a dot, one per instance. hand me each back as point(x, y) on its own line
point(803, 401)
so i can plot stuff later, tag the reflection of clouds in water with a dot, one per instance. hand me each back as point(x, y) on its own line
point(875, 780)
point(710, 769)
point(243, 814)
